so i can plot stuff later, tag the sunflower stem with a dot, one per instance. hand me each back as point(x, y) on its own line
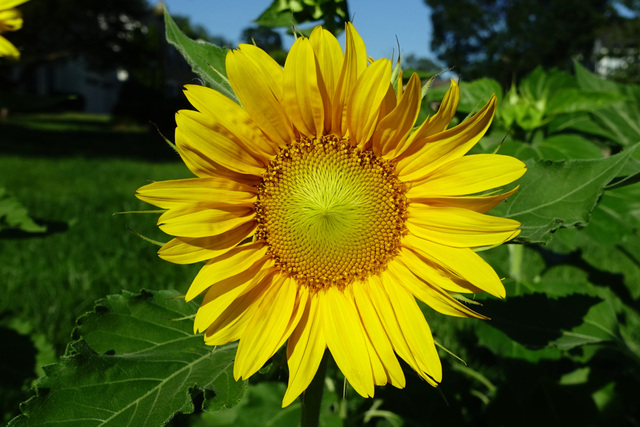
point(313, 396)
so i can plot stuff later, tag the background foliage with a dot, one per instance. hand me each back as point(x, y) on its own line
point(507, 39)
point(562, 349)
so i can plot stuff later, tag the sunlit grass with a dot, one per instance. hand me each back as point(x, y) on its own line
point(88, 253)
point(50, 280)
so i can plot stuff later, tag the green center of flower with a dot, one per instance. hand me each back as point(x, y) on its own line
point(330, 212)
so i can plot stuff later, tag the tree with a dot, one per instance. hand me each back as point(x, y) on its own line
point(618, 49)
point(266, 39)
point(103, 32)
point(506, 39)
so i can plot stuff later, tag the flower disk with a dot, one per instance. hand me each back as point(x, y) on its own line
point(330, 212)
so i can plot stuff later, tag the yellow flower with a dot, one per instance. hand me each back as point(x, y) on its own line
point(10, 20)
point(322, 213)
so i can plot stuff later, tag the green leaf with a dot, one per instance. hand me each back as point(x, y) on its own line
point(559, 194)
point(13, 215)
point(629, 175)
point(616, 217)
point(567, 147)
point(475, 94)
point(611, 243)
point(590, 81)
point(556, 147)
point(609, 321)
point(540, 84)
point(621, 121)
point(504, 346)
point(575, 100)
point(581, 122)
point(285, 13)
point(206, 59)
point(262, 406)
point(135, 362)
point(279, 14)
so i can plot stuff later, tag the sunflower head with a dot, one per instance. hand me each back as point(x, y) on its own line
point(323, 211)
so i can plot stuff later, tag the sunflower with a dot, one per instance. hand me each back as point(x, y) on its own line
point(322, 213)
point(10, 20)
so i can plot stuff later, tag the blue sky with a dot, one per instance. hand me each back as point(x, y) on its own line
point(377, 21)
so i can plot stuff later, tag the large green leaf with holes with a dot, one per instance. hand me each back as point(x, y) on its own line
point(134, 362)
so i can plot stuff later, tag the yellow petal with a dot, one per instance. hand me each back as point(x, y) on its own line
point(411, 326)
point(354, 64)
point(180, 192)
point(375, 291)
point(202, 222)
point(441, 120)
point(220, 268)
point(359, 48)
point(434, 296)
point(394, 128)
point(378, 336)
point(7, 49)
point(231, 120)
point(188, 250)
point(257, 80)
point(204, 167)
point(427, 154)
point(377, 368)
point(416, 331)
point(482, 204)
point(232, 322)
point(366, 98)
point(7, 4)
point(10, 20)
point(214, 146)
point(433, 274)
point(219, 297)
point(463, 262)
point(459, 227)
point(228, 329)
point(330, 58)
point(266, 331)
point(305, 349)
point(389, 103)
point(431, 125)
point(468, 175)
point(329, 55)
point(346, 340)
point(304, 90)
point(447, 110)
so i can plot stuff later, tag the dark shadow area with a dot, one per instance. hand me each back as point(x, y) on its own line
point(17, 358)
point(499, 391)
point(520, 318)
point(23, 141)
point(53, 227)
point(17, 363)
point(613, 281)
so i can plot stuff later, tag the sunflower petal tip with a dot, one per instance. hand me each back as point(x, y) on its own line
point(288, 398)
point(237, 374)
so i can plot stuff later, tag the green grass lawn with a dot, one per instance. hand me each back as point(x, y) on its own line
point(73, 173)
